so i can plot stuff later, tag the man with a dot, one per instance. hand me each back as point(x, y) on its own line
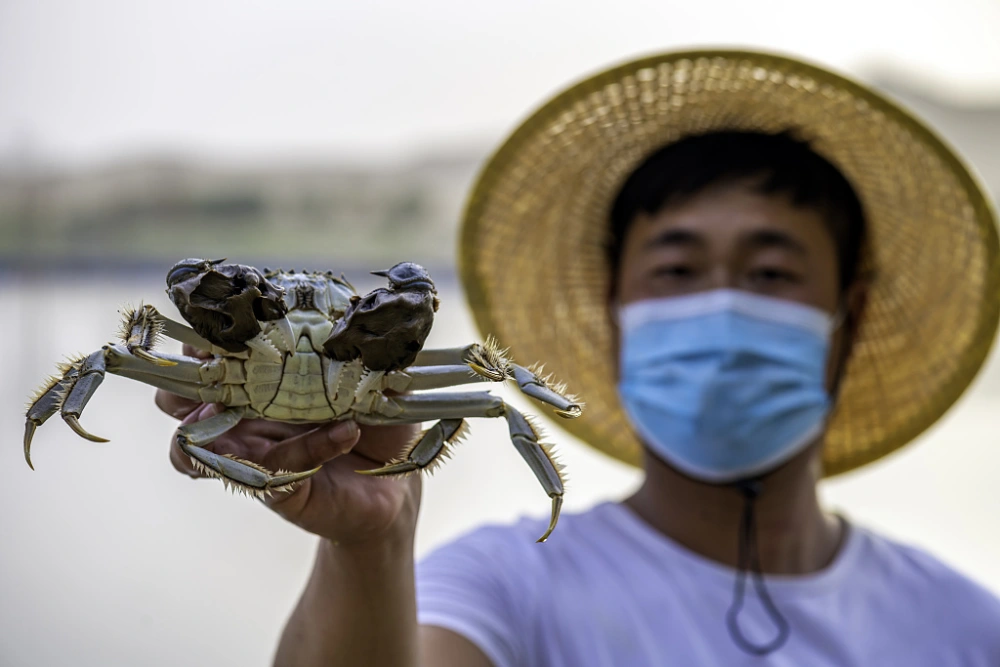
point(743, 311)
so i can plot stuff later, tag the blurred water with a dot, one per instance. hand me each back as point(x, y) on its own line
point(109, 557)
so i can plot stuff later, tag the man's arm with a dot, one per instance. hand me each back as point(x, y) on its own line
point(359, 608)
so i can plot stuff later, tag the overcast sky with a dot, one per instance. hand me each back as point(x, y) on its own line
point(97, 79)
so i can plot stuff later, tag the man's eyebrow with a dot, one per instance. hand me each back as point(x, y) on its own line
point(676, 237)
point(772, 238)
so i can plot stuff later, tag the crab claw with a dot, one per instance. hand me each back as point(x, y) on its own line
point(224, 303)
point(407, 275)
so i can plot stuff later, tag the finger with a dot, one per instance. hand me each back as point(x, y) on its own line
point(251, 439)
point(182, 463)
point(380, 444)
point(310, 450)
point(197, 352)
point(265, 429)
point(174, 405)
point(202, 412)
point(180, 460)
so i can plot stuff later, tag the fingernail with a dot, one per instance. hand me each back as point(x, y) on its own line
point(343, 431)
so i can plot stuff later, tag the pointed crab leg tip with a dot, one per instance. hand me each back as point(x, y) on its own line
point(556, 507)
point(80, 431)
point(487, 372)
point(548, 532)
point(391, 469)
point(156, 361)
point(29, 431)
point(572, 412)
point(292, 477)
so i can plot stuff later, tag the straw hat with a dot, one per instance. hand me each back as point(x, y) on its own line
point(532, 246)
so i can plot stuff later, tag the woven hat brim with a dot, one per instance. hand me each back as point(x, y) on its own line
point(533, 264)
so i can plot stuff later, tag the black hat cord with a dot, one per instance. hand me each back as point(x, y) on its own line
point(749, 562)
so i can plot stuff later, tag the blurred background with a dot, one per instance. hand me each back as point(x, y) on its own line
point(344, 136)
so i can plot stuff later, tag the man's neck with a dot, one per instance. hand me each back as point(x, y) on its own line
point(794, 536)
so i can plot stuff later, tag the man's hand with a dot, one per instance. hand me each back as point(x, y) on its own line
point(335, 503)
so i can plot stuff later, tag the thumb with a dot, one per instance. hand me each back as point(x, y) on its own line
point(314, 448)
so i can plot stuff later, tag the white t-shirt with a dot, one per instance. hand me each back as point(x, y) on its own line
point(607, 589)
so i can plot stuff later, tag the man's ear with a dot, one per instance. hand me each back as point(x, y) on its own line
point(612, 305)
point(854, 303)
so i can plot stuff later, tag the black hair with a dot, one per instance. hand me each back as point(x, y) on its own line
point(785, 164)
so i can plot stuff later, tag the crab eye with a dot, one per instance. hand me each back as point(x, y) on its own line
point(181, 274)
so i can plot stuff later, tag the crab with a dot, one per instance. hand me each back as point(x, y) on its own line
point(305, 347)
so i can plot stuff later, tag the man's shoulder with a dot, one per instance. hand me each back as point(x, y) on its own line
point(913, 574)
point(917, 565)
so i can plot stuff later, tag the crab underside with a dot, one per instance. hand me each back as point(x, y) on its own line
point(304, 347)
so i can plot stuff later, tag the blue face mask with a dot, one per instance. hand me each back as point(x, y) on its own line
point(725, 385)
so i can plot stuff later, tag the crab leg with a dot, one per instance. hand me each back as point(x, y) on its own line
point(195, 379)
point(532, 385)
point(416, 378)
point(416, 408)
point(428, 451)
point(430, 448)
point(90, 376)
point(181, 368)
point(208, 381)
point(143, 325)
point(44, 407)
point(185, 334)
point(443, 356)
point(245, 476)
point(68, 395)
point(488, 362)
point(140, 331)
point(227, 394)
point(539, 457)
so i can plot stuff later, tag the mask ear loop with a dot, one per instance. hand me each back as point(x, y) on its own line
point(841, 317)
point(749, 561)
point(838, 319)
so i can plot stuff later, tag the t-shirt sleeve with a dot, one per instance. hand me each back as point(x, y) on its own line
point(479, 587)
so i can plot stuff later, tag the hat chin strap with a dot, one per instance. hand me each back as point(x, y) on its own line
point(749, 561)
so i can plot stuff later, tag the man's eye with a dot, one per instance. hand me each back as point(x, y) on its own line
point(772, 275)
point(674, 271)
